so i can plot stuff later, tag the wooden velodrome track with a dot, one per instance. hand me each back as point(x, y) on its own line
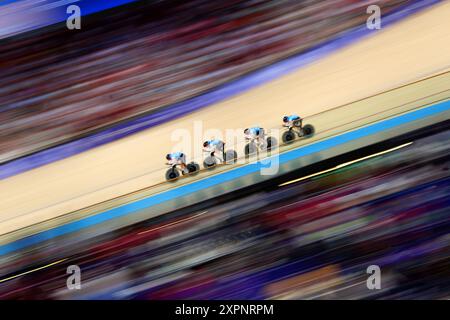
point(413, 49)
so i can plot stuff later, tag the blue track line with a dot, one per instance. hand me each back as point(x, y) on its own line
point(223, 177)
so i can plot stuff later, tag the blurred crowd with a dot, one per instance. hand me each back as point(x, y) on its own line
point(58, 84)
point(312, 239)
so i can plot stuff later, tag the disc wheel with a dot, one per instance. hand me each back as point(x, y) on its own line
point(250, 149)
point(308, 130)
point(193, 167)
point(271, 142)
point(230, 156)
point(172, 174)
point(209, 162)
point(288, 136)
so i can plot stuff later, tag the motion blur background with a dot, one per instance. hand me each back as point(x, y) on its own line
point(87, 116)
